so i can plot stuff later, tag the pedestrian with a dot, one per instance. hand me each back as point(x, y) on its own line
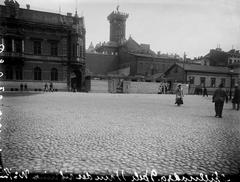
point(46, 87)
point(219, 97)
point(25, 87)
point(236, 98)
point(179, 95)
point(21, 87)
point(160, 89)
point(205, 92)
point(51, 87)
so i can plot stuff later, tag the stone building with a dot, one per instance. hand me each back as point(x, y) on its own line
point(120, 54)
point(41, 47)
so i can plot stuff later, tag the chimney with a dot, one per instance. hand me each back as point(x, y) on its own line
point(28, 6)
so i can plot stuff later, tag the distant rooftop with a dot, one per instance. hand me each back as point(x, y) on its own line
point(37, 16)
point(204, 68)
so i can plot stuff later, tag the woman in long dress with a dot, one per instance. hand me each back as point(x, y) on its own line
point(179, 95)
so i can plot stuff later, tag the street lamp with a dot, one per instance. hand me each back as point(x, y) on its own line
point(231, 73)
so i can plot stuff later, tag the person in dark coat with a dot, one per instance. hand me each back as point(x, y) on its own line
point(205, 92)
point(179, 95)
point(236, 98)
point(219, 97)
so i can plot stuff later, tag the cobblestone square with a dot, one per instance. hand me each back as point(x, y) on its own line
point(77, 132)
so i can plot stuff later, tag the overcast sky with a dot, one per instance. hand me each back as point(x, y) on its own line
point(169, 26)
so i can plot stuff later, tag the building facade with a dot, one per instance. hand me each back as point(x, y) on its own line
point(120, 54)
point(40, 48)
point(199, 76)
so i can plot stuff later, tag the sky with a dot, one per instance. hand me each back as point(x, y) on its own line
point(169, 26)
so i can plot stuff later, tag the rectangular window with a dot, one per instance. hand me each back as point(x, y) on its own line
point(213, 82)
point(54, 49)
point(223, 82)
point(8, 44)
point(37, 47)
point(78, 50)
point(73, 50)
point(18, 73)
point(191, 79)
point(18, 45)
point(140, 69)
point(233, 82)
point(202, 81)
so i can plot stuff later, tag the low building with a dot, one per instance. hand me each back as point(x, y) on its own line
point(41, 47)
point(199, 76)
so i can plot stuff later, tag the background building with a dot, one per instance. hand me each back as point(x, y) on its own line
point(41, 47)
point(121, 57)
point(199, 76)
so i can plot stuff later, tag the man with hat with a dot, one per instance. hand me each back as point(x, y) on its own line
point(219, 97)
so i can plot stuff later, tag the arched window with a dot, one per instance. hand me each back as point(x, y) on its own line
point(54, 74)
point(9, 73)
point(37, 73)
point(18, 73)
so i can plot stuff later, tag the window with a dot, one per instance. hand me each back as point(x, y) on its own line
point(191, 79)
point(213, 82)
point(223, 81)
point(163, 67)
point(54, 74)
point(140, 67)
point(18, 45)
point(81, 51)
point(233, 82)
point(202, 81)
point(9, 73)
point(176, 70)
point(37, 47)
point(37, 73)
point(73, 50)
point(8, 44)
point(54, 49)
point(18, 73)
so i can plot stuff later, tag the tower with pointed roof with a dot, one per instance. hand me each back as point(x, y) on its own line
point(117, 22)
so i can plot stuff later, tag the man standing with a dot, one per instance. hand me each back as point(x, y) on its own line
point(236, 97)
point(205, 92)
point(219, 97)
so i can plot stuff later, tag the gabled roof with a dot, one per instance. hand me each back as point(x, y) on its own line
point(203, 68)
point(133, 46)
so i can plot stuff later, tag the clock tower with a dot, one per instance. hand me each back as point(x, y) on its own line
point(117, 22)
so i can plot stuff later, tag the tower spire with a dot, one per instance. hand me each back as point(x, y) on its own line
point(76, 8)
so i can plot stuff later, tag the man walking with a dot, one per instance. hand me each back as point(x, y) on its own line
point(236, 97)
point(219, 97)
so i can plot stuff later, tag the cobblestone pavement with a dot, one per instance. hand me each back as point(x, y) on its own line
point(77, 132)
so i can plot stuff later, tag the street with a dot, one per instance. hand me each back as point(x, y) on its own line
point(102, 133)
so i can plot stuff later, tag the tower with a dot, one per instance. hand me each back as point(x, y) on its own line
point(117, 22)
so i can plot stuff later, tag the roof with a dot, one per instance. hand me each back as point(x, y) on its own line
point(152, 56)
point(37, 16)
point(204, 68)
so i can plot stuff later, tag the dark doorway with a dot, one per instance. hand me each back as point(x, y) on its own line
point(76, 81)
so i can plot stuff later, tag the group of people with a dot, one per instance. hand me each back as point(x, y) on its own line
point(163, 88)
point(23, 87)
point(50, 89)
point(219, 97)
